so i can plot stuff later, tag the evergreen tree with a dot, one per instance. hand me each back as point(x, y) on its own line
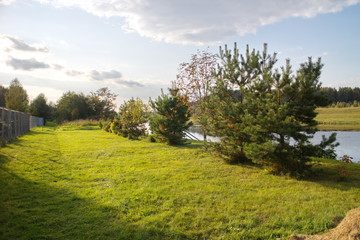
point(229, 108)
point(271, 119)
point(16, 97)
point(171, 117)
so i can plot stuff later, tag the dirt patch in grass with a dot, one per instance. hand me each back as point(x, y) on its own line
point(348, 229)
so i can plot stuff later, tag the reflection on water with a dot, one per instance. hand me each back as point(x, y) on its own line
point(349, 141)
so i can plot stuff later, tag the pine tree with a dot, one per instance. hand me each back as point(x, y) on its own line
point(171, 117)
point(263, 114)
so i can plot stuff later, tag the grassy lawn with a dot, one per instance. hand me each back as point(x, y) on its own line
point(73, 183)
point(340, 119)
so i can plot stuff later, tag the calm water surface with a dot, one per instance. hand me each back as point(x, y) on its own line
point(349, 141)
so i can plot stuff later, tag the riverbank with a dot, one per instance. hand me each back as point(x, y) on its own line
point(84, 183)
point(338, 119)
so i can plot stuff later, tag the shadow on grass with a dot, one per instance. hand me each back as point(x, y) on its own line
point(34, 210)
point(325, 173)
point(75, 128)
point(190, 144)
point(3, 159)
point(18, 140)
point(39, 131)
point(328, 175)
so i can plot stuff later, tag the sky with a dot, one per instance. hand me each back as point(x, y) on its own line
point(134, 47)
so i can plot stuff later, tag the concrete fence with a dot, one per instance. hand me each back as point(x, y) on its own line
point(14, 124)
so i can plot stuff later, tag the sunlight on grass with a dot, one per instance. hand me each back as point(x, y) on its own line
point(339, 119)
point(80, 184)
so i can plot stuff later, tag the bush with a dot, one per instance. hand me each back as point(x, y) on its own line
point(152, 138)
point(133, 115)
point(105, 125)
point(115, 126)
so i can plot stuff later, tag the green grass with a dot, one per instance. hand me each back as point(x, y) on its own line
point(340, 119)
point(88, 184)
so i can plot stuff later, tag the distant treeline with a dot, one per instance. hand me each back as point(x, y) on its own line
point(343, 95)
point(71, 106)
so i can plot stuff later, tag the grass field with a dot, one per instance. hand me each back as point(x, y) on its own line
point(84, 183)
point(340, 119)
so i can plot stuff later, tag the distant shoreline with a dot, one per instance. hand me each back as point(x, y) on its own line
point(338, 119)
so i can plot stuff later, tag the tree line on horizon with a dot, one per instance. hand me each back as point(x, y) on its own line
point(71, 106)
point(342, 97)
point(100, 104)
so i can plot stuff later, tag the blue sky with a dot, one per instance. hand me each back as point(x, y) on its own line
point(134, 47)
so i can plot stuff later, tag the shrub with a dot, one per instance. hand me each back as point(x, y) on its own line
point(133, 115)
point(171, 117)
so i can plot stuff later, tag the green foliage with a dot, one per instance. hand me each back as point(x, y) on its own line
point(152, 139)
point(3, 91)
point(72, 106)
point(171, 117)
point(130, 123)
point(50, 124)
point(16, 97)
point(40, 108)
point(256, 109)
point(105, 125)
point(80, 184)
point(101, 104)
point(115, 126)
point(326, 148)
point(345, 104)
point(346, 95)
point(98, 105)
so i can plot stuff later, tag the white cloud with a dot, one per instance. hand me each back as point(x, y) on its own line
point(202, 21)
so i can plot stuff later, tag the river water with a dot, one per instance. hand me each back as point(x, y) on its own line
point(349, 141)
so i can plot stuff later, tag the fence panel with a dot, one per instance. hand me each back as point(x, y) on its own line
point(14, 124)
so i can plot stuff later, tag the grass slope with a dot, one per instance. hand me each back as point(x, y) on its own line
point(339, 119)
point(72, 183)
